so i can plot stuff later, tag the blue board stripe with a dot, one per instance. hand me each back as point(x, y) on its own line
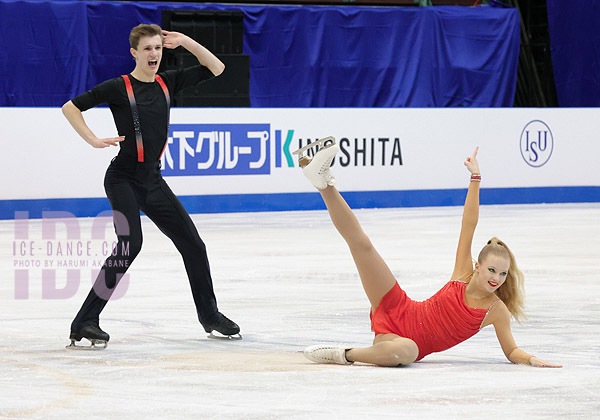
point(90, 207)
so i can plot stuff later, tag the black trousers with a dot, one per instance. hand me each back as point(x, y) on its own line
point(130, 188)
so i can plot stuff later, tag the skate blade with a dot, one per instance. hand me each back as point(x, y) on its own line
point(215, 335)
point(95, 345)
point(319, 143)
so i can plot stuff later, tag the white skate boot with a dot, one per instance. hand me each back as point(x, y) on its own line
point(316, 169)
point(323, 353)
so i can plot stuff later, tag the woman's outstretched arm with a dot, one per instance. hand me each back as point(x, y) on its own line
point(463, 266)
point(507, 342)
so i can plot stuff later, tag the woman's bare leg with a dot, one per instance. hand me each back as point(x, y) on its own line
point(387, 350)
point(377, 280)
point(376, 277)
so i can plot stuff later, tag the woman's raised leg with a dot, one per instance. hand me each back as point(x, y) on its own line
point(375, 275)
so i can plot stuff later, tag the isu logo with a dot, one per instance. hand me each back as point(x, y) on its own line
point(537, 143)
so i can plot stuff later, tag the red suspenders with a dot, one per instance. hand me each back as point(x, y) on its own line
point(136, 119)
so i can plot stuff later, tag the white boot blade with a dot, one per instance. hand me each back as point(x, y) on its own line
point(218, 336)
point(94, 345)
point(319, 143)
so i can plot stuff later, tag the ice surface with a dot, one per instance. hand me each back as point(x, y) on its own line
point(289, 281)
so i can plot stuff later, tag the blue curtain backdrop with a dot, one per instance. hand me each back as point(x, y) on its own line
point(301, 56)
point(575, 46)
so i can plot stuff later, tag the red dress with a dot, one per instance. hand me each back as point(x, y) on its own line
point(440, 322)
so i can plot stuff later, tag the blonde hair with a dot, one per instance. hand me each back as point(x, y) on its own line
point(144, 29)
point(512, 291)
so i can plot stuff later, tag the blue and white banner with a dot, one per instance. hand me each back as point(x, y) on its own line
point(217, 149)
point(221, 159)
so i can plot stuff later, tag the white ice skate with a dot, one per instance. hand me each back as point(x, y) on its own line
point(316, 169)
point(322, 353)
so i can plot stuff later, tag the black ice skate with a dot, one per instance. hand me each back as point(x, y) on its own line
point(93, 333)
point(219, 326)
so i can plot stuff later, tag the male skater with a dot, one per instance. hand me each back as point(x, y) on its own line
point(140, 105)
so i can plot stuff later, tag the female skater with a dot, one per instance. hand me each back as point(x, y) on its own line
point(406, 330)
point(140, 105)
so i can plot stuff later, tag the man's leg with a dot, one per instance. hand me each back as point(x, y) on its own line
point(126, 217)
point(169, 215)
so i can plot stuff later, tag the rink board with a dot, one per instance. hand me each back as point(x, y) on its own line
point(237, 160)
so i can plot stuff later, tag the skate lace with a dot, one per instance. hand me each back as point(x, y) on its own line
point(325, 172)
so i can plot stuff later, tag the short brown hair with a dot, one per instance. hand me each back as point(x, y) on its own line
point(141, 30)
